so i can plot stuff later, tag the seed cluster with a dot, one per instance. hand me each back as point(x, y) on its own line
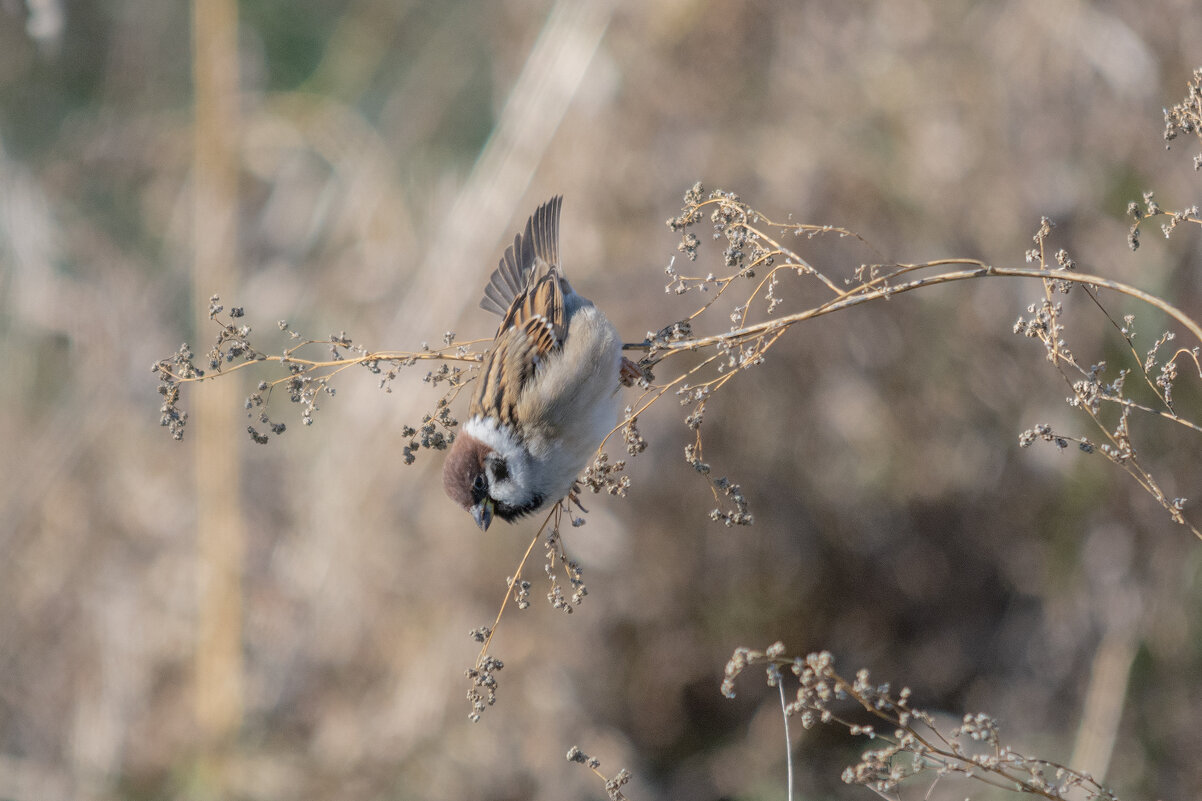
point(483, 693)
point(557, 558)
point(605, 476)
point(307, 381)
point(566, 590)
point(614, 785)
point(436, 432)
point(907, 741)
point(1109, 397)
point(1186, 117)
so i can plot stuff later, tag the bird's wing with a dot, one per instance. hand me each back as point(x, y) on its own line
point(508, 366)
point(534, 321)
point(521, 286)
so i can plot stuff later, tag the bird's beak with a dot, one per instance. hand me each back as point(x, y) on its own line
point(482, 513)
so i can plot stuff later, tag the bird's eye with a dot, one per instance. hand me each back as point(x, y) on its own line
point(480, 484)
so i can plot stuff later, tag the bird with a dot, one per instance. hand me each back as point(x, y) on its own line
point(546, 391)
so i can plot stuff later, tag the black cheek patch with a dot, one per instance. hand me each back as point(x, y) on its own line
point(509, 513)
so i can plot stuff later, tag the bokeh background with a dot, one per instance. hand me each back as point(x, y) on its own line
point(359, 167)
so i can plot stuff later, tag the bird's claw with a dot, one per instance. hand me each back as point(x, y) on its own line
point(629, 373)
point(574, 496)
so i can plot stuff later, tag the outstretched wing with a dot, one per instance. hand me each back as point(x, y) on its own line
point(526, 263)
point(527, 291)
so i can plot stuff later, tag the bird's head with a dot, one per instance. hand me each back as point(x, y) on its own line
point(487, 482)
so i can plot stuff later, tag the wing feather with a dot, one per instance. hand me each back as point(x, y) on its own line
point(526, 289)
point(508, 366)
point(519, 267)
point(506, 281)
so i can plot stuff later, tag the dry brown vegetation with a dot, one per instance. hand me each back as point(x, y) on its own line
point(383, 153)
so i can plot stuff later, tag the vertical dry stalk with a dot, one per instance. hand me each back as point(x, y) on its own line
point(544, 91)
point(1104, 701)
point(219, 523)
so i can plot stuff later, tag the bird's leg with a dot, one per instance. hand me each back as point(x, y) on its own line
point(574, 496)
point(629, 373)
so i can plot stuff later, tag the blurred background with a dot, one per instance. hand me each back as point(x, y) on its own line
point(214, 618)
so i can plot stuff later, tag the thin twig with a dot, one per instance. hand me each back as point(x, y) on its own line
point(780, 685)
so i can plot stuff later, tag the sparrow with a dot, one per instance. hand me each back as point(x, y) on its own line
point(546, 393)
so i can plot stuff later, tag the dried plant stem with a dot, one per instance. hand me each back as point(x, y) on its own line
point(751, 249)
point(338, 365)
point(973, 749)
point(483, 673)
point(878, 288)
point(219, 519)
point(784, 713)
point(1104, 700)
point(517, 574)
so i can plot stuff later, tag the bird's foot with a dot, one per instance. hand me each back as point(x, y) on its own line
point(629, 373)
point(574, 496)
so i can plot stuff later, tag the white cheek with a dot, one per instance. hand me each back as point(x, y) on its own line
point(518, 487)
